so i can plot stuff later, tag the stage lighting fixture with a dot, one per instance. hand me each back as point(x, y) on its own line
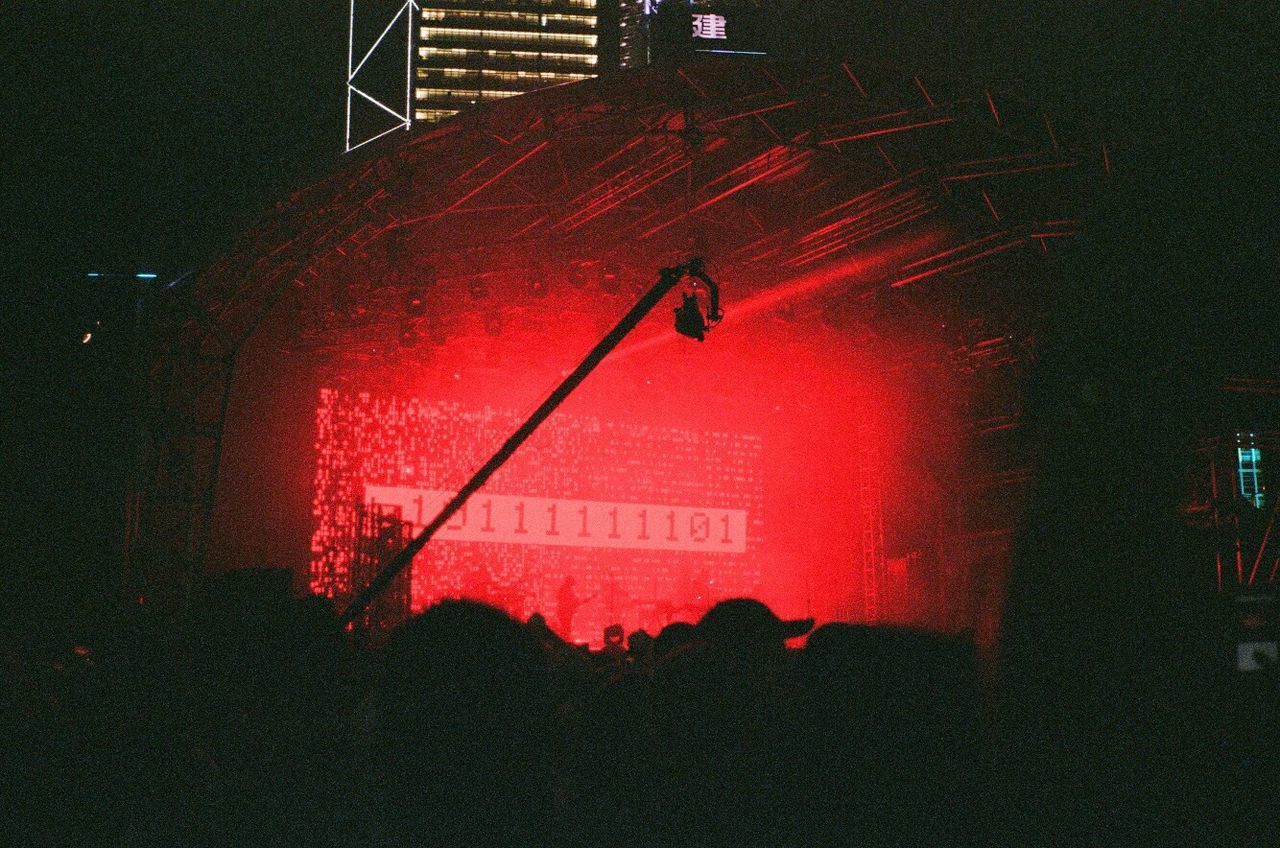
point(689, 319)
point(408, 335)
point(415, 303)
point(610, 280)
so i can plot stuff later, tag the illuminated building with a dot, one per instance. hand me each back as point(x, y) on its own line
point(633, 45)
point(469, 51)
point(428, 62)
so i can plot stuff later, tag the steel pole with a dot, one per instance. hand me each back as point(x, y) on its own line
point(667, 280)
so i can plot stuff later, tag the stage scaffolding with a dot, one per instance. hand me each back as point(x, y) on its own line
point(378, 534)
point(774, 170)
point(1231, 498)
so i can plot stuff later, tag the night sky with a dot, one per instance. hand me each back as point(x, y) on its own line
point(153, 133)
point(147, 136)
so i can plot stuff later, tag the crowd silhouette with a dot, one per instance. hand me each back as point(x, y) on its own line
point(254, 719)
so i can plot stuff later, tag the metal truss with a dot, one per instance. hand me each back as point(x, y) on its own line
point(1237, 516)
point(191, 362)
point(403, 121)
point(801, 183)
point(871, 503)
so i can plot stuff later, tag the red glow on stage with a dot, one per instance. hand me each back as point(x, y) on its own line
point(649, 523)
point(433, 297)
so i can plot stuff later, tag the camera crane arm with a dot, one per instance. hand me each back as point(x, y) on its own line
point(668, 279)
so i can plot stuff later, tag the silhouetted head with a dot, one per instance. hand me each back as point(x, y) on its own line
point(842, 639)
point(639, 640)
point(464, 650)
point(745, 620)
point(673, 636)
point(461, 732)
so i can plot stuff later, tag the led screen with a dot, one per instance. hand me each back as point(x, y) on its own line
point(592, 522)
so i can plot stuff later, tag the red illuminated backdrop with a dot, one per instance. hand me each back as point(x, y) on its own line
point(877, 237)
point(650, 522)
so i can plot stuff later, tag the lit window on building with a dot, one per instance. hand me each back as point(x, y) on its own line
point(463, 33)
point(472, 51)
point(433, 115)
point(531, 18)
point(435, 54)
point(1249, 472)
point(468, 93)
point(545, 77)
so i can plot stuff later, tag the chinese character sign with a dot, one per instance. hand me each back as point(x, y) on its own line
point(708, 26)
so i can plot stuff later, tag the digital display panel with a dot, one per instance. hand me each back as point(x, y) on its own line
point(592, 522)
point(517, 520)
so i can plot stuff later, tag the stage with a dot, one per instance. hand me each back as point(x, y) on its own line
point(844, 445)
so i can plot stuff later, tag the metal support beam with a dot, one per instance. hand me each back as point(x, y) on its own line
point(405, 120)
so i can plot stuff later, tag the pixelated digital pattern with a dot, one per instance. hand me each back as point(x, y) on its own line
point(366, 440)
